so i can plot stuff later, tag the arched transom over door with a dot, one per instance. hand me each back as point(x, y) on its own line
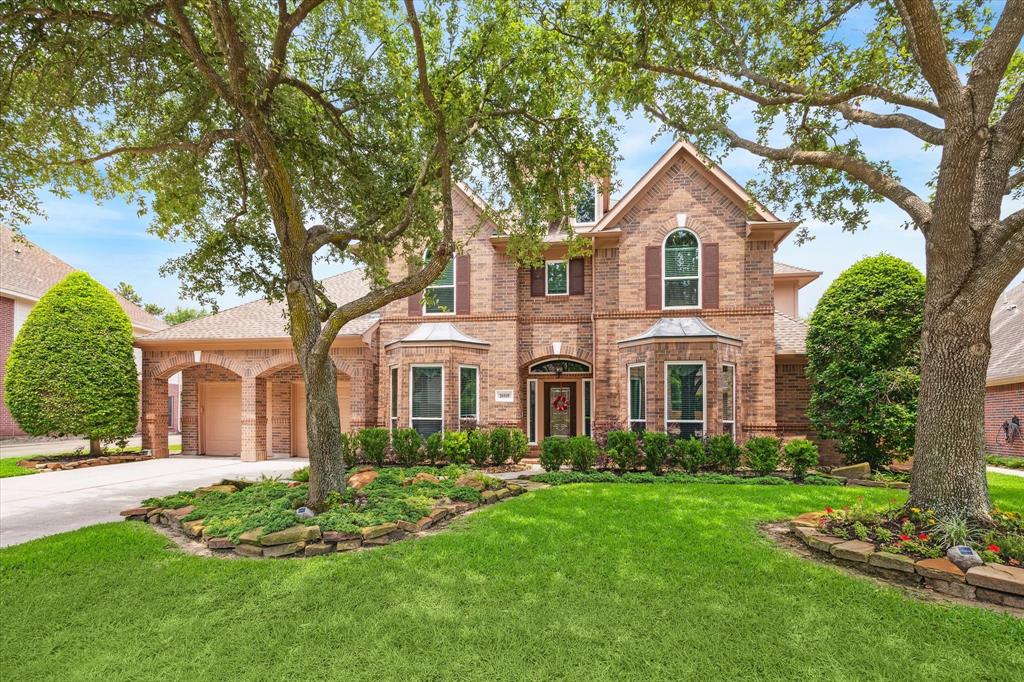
point(300, 444)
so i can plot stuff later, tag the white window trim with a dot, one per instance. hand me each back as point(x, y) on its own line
point(413, 367)
point(531, 415)
point(548, 279)
point(733, 420)
point(629, 395)
point(394, 377)
point(452, 286)
point(476, 415)
point(700, 269)
point(588, 393)
point(598, 207)
point(703, 393)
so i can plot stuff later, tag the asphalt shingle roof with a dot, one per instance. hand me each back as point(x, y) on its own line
point(785, 269)
point(1007, 333)
point(31, 271)
point(263, 320)
point(790, 335)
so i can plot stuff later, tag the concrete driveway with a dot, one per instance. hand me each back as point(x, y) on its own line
point(35, 506)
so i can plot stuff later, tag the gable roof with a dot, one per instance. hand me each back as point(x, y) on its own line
point(262, 320)
point(1006, 363)
point(802, 276)
point(790, 335)
point(29, 271)
point(711, 170)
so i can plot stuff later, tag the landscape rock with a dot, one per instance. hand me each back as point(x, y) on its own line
point(291, 535)
point(964, 557)
point(1001, 598)
point(438, 513)
point(502, 493)
point(249, 550)
point(824, 542)
point(424, 523)
point(250, 537)
point(138, 511)
point(193, 529)
point(998, 577)
point(858, 471)
point(371, 532)
point(804, 532)
point(490, 497)
point(515, 489)
point(808, 519)
point(951, 587)
point(317, 549)
point(471, 481)
point(940, 569)
point(378, 540)
point(338, 536)
point(348, 545)
point(421, 477)
point(853, 550)
point(407, 526)
point(894, 562)
point(220, 543)
point(304, 513)
point(361, 479)
point(284, 550)
point(220, 488)
point(181, 512)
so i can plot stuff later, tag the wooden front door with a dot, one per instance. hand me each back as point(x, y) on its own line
point(559, 409)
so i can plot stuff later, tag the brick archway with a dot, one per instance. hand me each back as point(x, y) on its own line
point(174, 363)
point(555, 350)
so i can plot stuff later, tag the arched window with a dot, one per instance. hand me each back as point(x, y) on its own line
point(439, 297)
point(681, 272)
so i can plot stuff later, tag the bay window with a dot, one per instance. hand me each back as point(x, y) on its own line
point(637, 389)
point(426, 398)
point(684, 399)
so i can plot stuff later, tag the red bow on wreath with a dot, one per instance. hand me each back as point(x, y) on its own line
point(560, 403)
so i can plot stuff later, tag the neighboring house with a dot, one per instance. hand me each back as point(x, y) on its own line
point(26, 273)
point(670, 325)
point(1004, 389)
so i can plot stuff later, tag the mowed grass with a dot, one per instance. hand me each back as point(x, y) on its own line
point(9, 465)
point(587, 582)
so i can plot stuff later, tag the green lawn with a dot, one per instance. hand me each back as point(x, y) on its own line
point(576, 582)
point(9, 465)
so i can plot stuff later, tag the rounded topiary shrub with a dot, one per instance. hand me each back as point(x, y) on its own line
point(456, 447)
point(373, 445)
point(688, 454)
point(501, 446)
point(479, 447)
point(622, 449)
point(553, 453)
point(863, 360)
point(407, 445)
point(433, 447)
point(71, 370)
point(800, 455)
point(763, 454)
point(723, 452)
point(520, 444)
point(656, 449)
point(581, 453)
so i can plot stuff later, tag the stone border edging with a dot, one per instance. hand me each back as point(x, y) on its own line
point(992, 583)
point(305, 541)
point(42, 465)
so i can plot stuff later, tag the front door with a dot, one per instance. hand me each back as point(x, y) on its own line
point(559, 409)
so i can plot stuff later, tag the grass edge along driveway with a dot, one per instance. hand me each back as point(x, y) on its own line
point(577, 582)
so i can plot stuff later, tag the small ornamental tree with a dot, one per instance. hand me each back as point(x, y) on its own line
point(71, 370)
point(863, 351)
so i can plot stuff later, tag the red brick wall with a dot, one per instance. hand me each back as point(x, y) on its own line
point(8, 427)
point(792, 395)
point(1001, 403)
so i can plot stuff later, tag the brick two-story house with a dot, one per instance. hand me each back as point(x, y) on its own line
point(678, 321)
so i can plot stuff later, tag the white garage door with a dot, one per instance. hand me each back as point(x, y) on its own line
point(300, 447)
point(222, 418)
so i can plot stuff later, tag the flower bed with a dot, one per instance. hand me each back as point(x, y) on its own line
point(379, 506)
point(951, 555)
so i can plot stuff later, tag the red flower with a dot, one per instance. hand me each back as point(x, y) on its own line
point(828, 510)
point(994, 548)
point(904, 537)
point(922, 536)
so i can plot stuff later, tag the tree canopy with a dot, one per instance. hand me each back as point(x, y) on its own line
point(71, 370)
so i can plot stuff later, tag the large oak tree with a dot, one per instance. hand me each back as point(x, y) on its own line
point(272, 135)
point(816, 74)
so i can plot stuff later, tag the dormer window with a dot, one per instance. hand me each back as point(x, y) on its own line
point(681, 278)
point(439, 297)
point(586, 207)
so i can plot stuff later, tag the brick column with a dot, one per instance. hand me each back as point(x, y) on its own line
point(254, 419)
point(154, 412)
point(189, 412)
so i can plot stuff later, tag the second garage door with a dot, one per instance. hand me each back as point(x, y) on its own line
point(300, 447)
point(222, 418)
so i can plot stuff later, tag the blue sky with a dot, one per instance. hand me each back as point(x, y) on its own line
point(110, 241)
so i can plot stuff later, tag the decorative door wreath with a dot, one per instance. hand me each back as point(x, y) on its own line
point(560, 403)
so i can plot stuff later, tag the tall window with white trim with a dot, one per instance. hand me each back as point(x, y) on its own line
point(637, 385)
point(681, 272)
point(426, 397)
point(531, 411)
point(439, 297)
point(468, 392)
point(729, 399)
point(684, 398)
point(394, 398)
point(588, 408)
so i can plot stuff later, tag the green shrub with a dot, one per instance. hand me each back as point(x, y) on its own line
point(763, 454)
point(623, 450)
point(656, 451)
point(71, 370)
point(349, 450)
point(461, 493)
point(723, 453)
point(520, 445)
point(553, 453)
point(581, 452)
point(407, 445)
point(688, 454)
point(501, 446)
point(800, 455)
point(373, 445)
point(816, 479)
point(301, 475)
point(433, 448)
point(479, 447)
point(1005, 462)
point(863, 360)
point(456, 447)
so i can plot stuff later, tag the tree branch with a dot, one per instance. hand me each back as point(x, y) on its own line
point(928, 44)
point(317, 97)
point(286, 25)
point(199, 148)
point(989, 67)
point(190, 43)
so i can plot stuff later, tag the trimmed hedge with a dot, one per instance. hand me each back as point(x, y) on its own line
point(71, 370)
point(567, 477)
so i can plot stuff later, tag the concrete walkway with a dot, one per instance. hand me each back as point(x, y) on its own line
point(35, 506)
point(58, 446)
point(1004, 470)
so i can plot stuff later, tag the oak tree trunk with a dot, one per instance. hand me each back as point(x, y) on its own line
point(323, 430)
point(95, 447)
